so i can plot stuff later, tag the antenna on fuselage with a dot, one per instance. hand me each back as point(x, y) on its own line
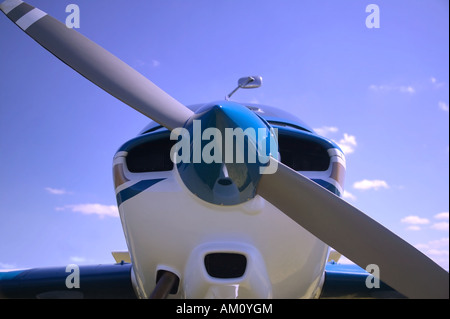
point(248, 82)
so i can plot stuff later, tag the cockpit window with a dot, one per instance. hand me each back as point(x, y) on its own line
point(302, 154)
point(151, 156)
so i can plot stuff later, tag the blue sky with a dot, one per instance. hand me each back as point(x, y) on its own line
point(381, 93)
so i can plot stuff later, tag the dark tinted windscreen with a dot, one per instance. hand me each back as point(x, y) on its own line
point(152, 156)
point(302, 155)
point(298, 153)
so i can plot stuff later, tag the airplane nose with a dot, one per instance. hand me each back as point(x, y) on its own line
point(228, 145)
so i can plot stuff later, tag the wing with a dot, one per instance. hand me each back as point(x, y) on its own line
point(95, 282)
point(351, 281)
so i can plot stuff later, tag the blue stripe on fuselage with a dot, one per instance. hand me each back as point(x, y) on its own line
point(135, 189)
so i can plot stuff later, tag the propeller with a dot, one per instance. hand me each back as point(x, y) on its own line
point(354, 234)
point(325, 215)
point(97, 64)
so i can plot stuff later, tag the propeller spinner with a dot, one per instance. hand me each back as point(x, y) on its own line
point(224, 150)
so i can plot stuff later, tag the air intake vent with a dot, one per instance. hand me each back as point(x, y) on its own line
point(225, 265)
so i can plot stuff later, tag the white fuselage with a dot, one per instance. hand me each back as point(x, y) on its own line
point(246, 250)
point(169, 228)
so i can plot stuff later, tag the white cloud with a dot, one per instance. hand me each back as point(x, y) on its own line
point(155, 63)
point(370, 184)
point(152, 63)
point(414, 228)
point(439, 243)
point(436, 84)
point(407, 89)
point(438, 250)
point(444, 216)
point(326, 130)
point(77, 259)
point(56, 191)
point(441, 226)
point(347, 143)
point(93, 209)
point(415, 220)
point(348, 195)
point(7, 266)
point(443, 106)
point(396, 88)
point(444, 225)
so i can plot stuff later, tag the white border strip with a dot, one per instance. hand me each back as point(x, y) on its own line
point(31, 17)
point(335, 152)
point(9, 5)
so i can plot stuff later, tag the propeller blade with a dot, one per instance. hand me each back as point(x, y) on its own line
point(97, 64)
point(354, 234)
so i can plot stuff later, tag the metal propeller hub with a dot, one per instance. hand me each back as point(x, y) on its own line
point(222, 151)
